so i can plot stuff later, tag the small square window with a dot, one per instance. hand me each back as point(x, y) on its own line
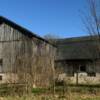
point(0, 77)
point(1, 62)
point(83, 68)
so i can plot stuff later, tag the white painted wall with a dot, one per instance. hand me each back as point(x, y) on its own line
point(83, 78)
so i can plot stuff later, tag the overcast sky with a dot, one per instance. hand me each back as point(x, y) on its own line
point(59, 17)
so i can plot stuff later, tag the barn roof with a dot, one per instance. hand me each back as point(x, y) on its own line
point(78, 48)
point(22, 29)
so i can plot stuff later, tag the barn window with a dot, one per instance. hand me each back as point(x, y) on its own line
point(0, 77)
point(83, 68)
point(1, 62)
point(91, 74)
point(79, 68)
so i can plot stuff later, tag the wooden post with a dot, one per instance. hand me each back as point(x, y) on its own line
point(77, 78)
point(77, 75)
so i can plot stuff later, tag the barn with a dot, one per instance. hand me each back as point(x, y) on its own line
point(78, 59)
point(24, 56)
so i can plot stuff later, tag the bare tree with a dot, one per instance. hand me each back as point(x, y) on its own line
point(91, 18)
point(51, 37)
point(91, 21)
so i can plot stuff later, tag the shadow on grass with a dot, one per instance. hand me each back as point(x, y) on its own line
point(69, 88)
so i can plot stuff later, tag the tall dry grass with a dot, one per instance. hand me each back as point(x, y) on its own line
point(68, 96)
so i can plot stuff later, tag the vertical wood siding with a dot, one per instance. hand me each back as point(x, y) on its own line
point(31, 58)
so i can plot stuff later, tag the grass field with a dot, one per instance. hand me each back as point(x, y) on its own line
point(72, 92)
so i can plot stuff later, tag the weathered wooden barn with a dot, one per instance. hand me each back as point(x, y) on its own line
point(24, 56)
point(78, 59)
